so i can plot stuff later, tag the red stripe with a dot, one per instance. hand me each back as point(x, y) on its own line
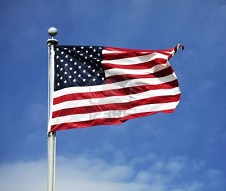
point(123, 77)
point(118, 92)
point(128, 53)
point(144, 65)
point(121, 55)
point(104, 121)
point(115, 106)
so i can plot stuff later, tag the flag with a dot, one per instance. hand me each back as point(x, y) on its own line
point(96, 85)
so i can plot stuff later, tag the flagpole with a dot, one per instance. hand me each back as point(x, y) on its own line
point(51, 135)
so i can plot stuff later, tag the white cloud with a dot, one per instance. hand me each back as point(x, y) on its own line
point(85, 173)
point(23, 176)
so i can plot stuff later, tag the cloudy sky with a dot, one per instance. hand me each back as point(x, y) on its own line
point(183, 151)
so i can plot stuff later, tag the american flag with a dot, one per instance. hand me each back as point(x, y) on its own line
point(96, 85)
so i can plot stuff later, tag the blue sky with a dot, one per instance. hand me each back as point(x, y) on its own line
point(183, 151)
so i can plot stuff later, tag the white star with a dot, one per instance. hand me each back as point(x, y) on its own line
point(61, 69)
point(70, 76)
point(65, 81)
point(70, 68)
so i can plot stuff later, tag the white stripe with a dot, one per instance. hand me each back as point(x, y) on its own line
point(114, 113)
point(115, 99)
point(112, 51)
point(121, 71)
point(136, 59)
point(117, 51)
point(114, 86)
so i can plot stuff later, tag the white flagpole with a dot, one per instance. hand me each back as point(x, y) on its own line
point(51, 135)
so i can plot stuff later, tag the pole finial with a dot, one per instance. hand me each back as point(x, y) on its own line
point(52, 32)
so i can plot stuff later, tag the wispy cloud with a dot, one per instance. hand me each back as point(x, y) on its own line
point(85, 173)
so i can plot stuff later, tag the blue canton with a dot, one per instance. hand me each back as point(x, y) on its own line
point(78, 66)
